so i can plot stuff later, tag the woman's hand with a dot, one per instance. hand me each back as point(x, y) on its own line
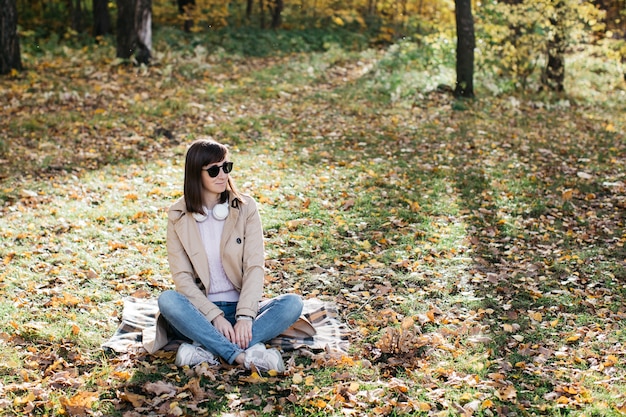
point(243, 333)
point(224, 327)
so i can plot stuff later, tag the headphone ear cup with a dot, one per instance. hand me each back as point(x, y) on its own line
point(220, 211)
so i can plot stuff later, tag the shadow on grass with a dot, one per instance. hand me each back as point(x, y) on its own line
point(553, 272)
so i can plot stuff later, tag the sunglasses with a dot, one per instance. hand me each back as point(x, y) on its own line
point(214, 171)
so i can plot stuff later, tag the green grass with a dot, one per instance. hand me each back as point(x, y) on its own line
point(376, 192)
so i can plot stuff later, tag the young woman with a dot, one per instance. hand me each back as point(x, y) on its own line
point(216, 256)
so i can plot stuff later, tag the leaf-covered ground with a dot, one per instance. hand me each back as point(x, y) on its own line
point(475, 249)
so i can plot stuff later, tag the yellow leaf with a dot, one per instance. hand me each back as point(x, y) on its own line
point(431, 315)
point(424, 406)
point(366, 244)
point(75, 330)
point(176, 410)
point(407, 323)
point(466, 397)
point(508, 393)
point(19, 401)
point(319, 403)
point(611, 360)
point(537, 316)
point(117, 245)
point(507, 328)
point(567, 194)
point(562, 400)
point(487, 404)
point(338, 21)
point(79, 403)
point(70, 300)
point(8, 258)
point(309, 380)
point(254, 378)
point(297, 378)
point(124, 375)
point(135, 399)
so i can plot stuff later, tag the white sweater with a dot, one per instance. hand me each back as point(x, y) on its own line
point(221, 289)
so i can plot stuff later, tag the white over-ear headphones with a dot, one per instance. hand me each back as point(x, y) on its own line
point(219, 212)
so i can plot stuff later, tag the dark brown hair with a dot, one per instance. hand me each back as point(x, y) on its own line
point(203, 152)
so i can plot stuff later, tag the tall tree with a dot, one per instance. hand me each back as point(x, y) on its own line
point(134, 30)
point(465, 44)
point(183, 9)
point(9, 42)
point(276, 8)
point(554, 74)
point(143, 25)
point(262, 13)
point(249, 6)
point(624, 58)
point(615, 11)
point(76, 14)
point(101, 18)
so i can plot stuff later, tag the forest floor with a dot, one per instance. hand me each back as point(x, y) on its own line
point(475, 249)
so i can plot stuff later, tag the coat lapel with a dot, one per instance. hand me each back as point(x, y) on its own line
point(229, 226)
point(189, 235)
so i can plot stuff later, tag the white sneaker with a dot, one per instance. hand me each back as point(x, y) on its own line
point(264, 359)
point(192, 355)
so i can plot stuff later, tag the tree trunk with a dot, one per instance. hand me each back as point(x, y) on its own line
point(143, 25)
point(624, 58)
point(10, 58)
point(249, 6)
point(276, 8)
point(614, 9)
point(76, 15)
point(183, 7)
point(464, 49)
point(101, 18)
point(126, 35)
point(262, 11)
point(134, 30)
point(554, 74)
point(371, 7)
point(403, 13)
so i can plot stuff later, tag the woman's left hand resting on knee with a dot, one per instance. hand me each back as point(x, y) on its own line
point(240, 333)
point(243, 333)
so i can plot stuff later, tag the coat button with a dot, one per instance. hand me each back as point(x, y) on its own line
point(239, 240)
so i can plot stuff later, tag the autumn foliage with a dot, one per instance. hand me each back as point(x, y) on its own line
point(475, 248)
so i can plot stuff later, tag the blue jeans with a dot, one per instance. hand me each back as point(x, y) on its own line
point(275, 316)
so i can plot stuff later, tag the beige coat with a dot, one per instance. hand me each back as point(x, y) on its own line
point(243, 259)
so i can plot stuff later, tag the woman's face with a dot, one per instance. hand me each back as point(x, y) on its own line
point(217, 184)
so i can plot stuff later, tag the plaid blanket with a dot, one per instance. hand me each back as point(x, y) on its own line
point(322, 329)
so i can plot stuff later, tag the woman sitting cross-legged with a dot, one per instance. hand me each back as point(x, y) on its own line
point(216, 257)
